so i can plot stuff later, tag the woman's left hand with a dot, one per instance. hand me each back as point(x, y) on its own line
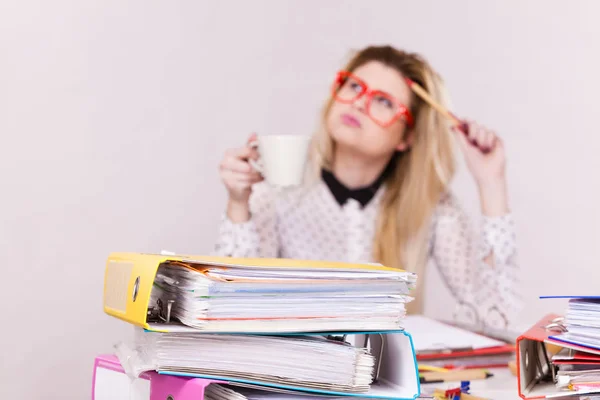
point(485, 158)
point(484, 154)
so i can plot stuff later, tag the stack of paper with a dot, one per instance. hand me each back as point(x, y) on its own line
point(290, 299)
point(577, 371)
point(312, 362)
point(582, 322)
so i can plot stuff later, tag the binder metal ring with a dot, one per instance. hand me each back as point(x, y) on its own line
point(555, 326)
point(136, 289)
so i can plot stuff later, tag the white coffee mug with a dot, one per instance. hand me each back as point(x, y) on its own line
point(282, 158)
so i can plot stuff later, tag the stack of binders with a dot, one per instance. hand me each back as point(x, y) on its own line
point(238, 329)
point(560, 355)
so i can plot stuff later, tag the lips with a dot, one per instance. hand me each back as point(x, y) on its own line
point(349, 120)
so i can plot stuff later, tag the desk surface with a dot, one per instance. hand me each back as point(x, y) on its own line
point(502, 386)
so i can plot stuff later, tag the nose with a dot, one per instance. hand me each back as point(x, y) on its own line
point(360, 103)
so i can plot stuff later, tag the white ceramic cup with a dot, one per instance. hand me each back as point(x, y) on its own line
point(282, 158)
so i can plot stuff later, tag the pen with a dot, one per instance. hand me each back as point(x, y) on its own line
point(463, 396)
point(445, 350)
point(423, 367)
point(455, 375)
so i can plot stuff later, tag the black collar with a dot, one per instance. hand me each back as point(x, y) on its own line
point(364, 194)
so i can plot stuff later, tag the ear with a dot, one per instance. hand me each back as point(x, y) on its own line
point(406, 142)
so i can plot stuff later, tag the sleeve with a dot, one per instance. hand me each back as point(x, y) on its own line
point(487, 292)
point(258, 237)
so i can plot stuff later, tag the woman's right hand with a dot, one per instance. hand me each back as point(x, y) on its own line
point(238, 175)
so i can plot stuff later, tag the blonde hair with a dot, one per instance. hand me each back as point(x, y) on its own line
point(421, 175)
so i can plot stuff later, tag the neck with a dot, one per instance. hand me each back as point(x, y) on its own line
point(354, 170)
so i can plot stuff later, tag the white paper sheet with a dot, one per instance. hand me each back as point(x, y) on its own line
point(431, 335)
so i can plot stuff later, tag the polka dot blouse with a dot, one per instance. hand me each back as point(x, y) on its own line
point(310, 223)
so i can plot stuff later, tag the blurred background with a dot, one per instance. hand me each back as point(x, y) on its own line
point(114, 116)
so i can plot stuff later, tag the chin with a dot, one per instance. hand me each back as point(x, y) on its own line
point(346, 136)
point(356, 141)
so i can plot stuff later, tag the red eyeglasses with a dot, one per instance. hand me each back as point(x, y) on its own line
point(383, 108)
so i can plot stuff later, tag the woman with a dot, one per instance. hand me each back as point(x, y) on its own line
point(383, 161)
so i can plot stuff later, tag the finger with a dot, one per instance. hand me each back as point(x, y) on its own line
point(467, 133)
point(490, 139)
point(245, 178)
point(498, 145)
point(251, 138)
point(462, 138)
point(250, 144)
point(254, 154)
point(486, 139)
point(235, 164)
point(482, 137)
point(257, 178)
point(240, 152)
point(472, 131)
point(476, 135)
point(239, 179)
point(254, 176)
point(230, 180)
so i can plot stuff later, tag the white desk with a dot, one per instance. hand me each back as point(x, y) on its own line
point(502, 386)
